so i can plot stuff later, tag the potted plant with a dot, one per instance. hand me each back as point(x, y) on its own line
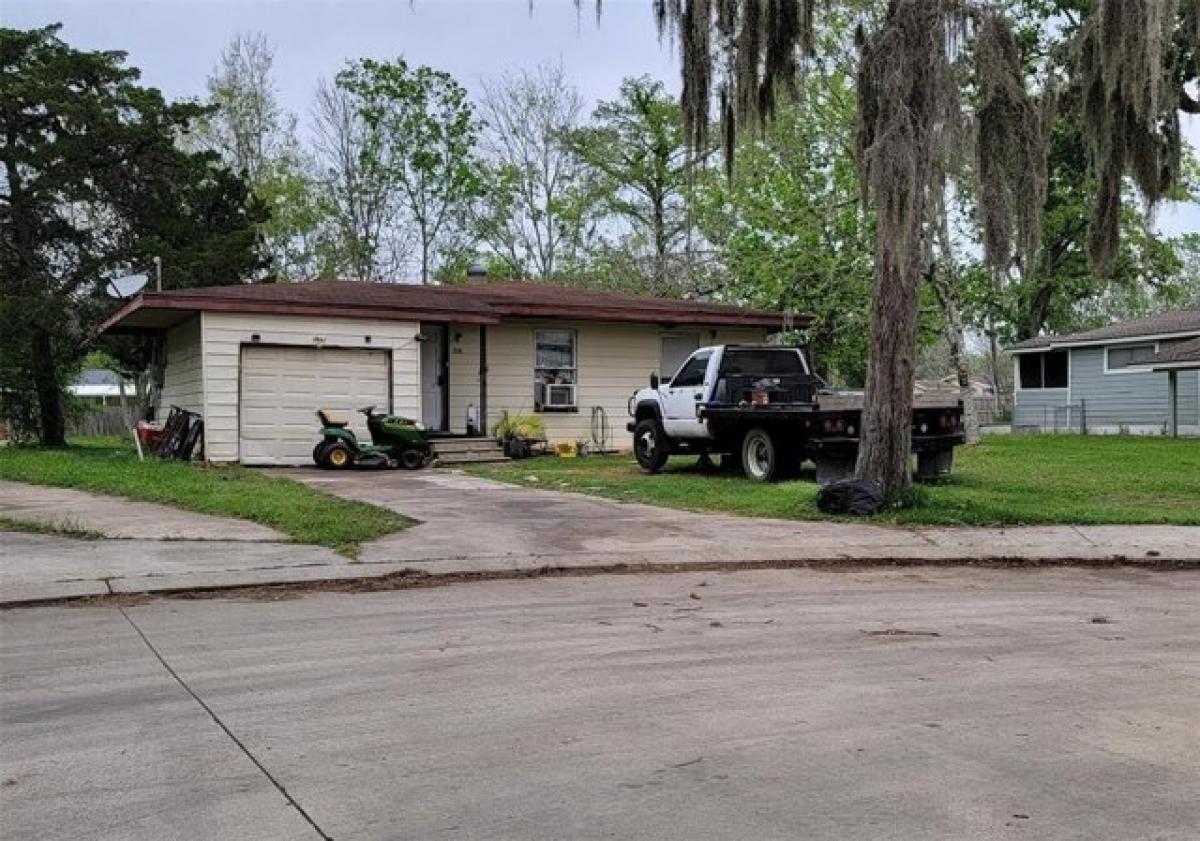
point(517, 432)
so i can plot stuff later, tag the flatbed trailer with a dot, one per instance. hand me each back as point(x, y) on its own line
point(829, 437)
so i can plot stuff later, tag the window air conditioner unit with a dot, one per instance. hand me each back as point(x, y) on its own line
point(559, 395)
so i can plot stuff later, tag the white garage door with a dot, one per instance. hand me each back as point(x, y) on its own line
point(282, 388)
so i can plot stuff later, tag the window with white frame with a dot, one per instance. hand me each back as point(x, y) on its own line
point(1123, 356)
point(554, 371)
point(1049, 369)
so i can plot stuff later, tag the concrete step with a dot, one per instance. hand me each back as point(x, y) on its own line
point(450, 459)
point(465, 445)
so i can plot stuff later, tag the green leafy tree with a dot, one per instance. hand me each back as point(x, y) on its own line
point(421, 141)
point(94, 182)
point(641, 172)
point(788, 228)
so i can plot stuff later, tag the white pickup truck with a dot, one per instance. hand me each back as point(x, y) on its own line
point(762, 410)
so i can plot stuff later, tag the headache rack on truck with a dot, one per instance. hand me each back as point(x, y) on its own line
point(764, 390)
point(760, 375)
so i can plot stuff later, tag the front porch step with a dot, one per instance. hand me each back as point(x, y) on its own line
point(452, 451)
point(451, 459)
point(447, 446)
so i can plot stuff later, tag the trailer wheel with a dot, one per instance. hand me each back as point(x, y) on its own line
point(650, 445)
point(760, 456)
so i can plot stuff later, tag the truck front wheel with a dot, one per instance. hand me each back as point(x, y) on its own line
point(761, 456)
point(650, 445)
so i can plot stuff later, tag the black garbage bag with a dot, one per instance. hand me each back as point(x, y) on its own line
point(851, 496)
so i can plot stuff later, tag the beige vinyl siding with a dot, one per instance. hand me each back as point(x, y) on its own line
point(224, 334)
point(183, 377)
point(612, 361)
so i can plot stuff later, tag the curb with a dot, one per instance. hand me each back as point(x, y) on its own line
point(101, 592)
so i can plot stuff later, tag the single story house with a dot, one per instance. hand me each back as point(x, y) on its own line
point(256, 361)
point(100, 386)
point(1104, 380)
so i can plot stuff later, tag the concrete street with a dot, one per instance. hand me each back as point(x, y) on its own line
point(884, 704)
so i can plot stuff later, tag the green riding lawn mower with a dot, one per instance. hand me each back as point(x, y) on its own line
point(395, 442)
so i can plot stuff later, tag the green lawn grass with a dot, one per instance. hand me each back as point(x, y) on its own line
point(108, 466)
point(1006, 480)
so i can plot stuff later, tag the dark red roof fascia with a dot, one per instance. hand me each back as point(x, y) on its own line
point(464, 304)
point(163, 301)
point(643, 315)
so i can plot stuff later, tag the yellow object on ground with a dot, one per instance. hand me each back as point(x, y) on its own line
point(566, 449)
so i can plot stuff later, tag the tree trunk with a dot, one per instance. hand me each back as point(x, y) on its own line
point(944, 279)
point(885, 446)
point(962, 368)
point(52, 422)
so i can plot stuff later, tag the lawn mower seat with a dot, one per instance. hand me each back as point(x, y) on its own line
point(328, 418)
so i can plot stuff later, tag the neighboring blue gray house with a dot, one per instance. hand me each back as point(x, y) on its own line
point(1108, 380)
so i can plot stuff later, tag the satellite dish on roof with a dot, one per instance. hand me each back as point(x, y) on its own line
point(127, 286)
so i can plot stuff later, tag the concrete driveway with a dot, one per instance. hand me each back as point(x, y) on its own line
point(932, 704)
point(477, 524)
point(473, 525)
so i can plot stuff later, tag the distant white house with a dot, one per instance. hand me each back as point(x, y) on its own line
point(1111, 379)
point(100, 386)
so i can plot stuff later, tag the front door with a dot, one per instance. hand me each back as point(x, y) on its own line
point(433, 376)
point(683, 396)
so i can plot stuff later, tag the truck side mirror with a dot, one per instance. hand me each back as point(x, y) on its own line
point(654, 380)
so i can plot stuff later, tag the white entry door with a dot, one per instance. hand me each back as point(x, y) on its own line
point(282, 388)
point(433, 376)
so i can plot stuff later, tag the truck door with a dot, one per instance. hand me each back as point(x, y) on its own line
point(684, 395)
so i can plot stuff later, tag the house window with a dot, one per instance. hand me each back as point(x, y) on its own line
point(1045, 370)
point(554, 371)
point(1119, 358)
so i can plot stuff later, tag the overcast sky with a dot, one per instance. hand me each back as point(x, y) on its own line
point(176, 42)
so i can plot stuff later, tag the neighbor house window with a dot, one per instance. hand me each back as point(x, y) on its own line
point(1045, 370)
point(1119, 358)
point(554, 370)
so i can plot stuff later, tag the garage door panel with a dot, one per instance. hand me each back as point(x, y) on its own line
point(281, 389)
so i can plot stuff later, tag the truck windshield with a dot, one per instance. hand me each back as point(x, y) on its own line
point(762, 362)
